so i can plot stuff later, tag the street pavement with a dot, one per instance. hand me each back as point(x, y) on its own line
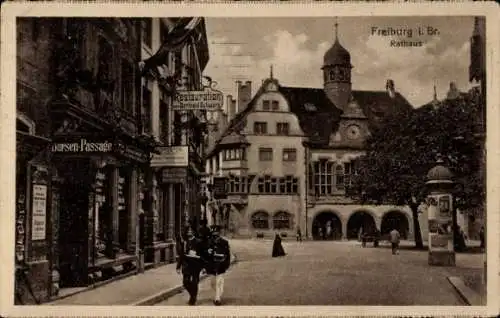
point(334, 273)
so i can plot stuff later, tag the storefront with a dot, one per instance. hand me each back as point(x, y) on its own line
point(100, 195)
point(179, 195)
point(33, 184)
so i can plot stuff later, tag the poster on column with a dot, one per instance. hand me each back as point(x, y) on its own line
point(39, 222)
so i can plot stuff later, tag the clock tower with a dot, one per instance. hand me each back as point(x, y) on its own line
point(337, 73)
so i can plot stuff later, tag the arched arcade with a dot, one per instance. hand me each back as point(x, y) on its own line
point(327, 226)
point(360, 222)
point(395, 220)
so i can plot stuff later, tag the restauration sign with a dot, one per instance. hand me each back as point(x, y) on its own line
point(207, 99)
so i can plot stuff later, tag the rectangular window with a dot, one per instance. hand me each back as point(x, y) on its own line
point(164, 121)
point(105, 57)
point(260, 128)
point(146, 110)
point(266, 154)
point(276, 105)
point(282, 185)
point(265, 105)
point(274, 185)
point(295, 185)
point(339, 177)
point(289, 184)
point(323, 177)
point(127, 87)
point(243, 185)
point(282, 129)
point(261, 185)
point(289, 154)
point(147, 31)
point(267, 184)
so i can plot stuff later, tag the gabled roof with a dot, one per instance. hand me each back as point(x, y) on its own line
point(318, 116)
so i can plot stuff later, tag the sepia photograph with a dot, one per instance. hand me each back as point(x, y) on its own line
point(218, 160)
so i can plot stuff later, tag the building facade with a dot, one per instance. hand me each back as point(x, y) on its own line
point(289, 157)
point(76, 86)
point(177, 169)
point(90, 199)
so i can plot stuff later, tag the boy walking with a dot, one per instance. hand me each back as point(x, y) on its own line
point(218, 262)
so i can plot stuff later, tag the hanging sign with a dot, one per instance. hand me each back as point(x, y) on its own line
point(208, 99)
point(39, 221)
point(174, 156)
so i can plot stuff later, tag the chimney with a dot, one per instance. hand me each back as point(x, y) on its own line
point(453, 93)
point(231, 111)
point(234, 106)
point(244, 95)
point(389, 86)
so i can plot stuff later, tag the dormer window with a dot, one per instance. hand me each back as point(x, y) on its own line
point(275, 105)
point(266, 105)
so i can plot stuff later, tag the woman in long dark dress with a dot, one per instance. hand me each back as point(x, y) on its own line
point(278, 249)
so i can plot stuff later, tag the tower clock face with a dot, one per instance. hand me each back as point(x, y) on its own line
point(353, 132)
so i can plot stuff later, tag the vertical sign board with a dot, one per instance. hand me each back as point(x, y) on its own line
point(39, 221)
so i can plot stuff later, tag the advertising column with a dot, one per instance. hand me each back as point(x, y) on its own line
point(440, 219)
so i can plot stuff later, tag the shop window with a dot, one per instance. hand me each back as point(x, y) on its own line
point(266, 154)
point(339, 177)
point(282, 129)
point(275, 105)
point(282, 220)
point(323, 177)
point(260, 220)
point(289, 154)
point(266, 105)
point(260, 128)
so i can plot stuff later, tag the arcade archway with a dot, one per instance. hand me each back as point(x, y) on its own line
point(360, 221)
point(327, 226)
point(395, 220)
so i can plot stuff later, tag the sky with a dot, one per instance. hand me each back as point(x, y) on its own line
point(245, 48)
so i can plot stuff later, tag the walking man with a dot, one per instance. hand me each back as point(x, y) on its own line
point(190, 262)
point(218, 263)
point(394, 241)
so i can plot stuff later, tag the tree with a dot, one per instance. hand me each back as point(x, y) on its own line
point(404, 146)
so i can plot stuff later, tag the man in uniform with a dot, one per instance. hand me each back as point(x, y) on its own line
point(218, 262)
point(190, 261)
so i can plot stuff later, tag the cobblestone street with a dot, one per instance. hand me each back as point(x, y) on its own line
point(334, 273)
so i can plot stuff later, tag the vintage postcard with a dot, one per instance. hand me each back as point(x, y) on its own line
point(250, 160)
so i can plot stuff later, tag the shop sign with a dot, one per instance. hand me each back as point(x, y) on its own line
point(208, 99)
point(219, 188)
point(174, 156)
point(131, 152)
point(82, 146)
point(39, 222)
point(174, 175)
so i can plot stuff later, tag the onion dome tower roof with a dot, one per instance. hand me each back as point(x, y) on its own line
point(337, 54)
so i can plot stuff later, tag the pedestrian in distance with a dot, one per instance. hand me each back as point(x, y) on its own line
point(190, 263)
point(278, 249)
point(218, 262)
point(299, 235)
point(395, 237)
